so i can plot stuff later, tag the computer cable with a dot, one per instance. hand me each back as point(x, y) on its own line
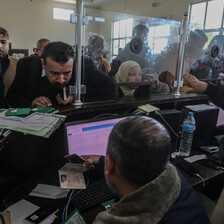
point(140, 112)
point(203, 182)
point(157, 112)
point(105, 114)
point(65, 211)
point(2, 218)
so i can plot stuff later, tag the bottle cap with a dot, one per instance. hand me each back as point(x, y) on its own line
point(190, 113)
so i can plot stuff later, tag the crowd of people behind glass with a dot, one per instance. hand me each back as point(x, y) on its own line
point(160, 69)
point(136, 63)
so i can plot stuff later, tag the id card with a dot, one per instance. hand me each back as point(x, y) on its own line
point(71, 176)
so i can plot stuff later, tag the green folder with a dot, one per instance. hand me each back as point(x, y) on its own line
point(17, 112)
point(43, 109)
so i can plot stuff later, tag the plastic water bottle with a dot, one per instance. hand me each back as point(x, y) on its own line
point(187, 135)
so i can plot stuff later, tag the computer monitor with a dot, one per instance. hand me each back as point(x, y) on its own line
point(88, 137)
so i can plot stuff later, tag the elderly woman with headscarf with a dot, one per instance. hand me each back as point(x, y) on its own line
point(129, 71)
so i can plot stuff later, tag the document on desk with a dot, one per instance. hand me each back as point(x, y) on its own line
point(20, 210)
point(36, 122)
point(70, 177)
point(49, 191)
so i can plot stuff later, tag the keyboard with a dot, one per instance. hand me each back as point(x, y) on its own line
point(94, 194)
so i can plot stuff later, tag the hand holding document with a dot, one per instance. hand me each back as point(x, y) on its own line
point(71, 176)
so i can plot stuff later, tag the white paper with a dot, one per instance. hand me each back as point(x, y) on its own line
point(35, 123)
point(195, 158)
point(14, 118)
point(49, 191)
point(20, 210)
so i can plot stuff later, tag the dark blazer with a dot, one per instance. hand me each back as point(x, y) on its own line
point(24, 88)
point(216, 92)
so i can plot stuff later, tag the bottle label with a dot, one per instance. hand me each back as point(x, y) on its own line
point(188, 127)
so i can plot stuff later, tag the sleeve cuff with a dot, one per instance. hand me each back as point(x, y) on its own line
point(212, 89)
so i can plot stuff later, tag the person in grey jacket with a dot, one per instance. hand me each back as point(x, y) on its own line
point(149, 188)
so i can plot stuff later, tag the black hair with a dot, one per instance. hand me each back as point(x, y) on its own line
point(4, 32)
point(59, 52)
point(198, 35)
point(40, 41)
point(140, 28)
point(140, 147)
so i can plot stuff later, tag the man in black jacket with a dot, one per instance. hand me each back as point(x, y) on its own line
point(40, 81)
point(7, 66)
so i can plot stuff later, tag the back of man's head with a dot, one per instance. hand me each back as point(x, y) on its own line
point(198, 35)
point(4, 33)
point(140, 30)
point(59, 52)
point(140, 147)
point(42, 41)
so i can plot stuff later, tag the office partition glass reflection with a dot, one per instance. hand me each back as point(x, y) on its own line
point(206, 56)
point(151, 42)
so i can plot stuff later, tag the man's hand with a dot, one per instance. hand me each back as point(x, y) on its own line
point(196, 86)
point(64, 102)
point(42, 101)
point(90, 159)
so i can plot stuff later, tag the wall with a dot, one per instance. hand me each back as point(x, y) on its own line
point(173, 8)
point(29, 20)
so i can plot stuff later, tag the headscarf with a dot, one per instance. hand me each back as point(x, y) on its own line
point(122, 76)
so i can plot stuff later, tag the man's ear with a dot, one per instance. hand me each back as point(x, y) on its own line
point(42, 63)
point(109, 169)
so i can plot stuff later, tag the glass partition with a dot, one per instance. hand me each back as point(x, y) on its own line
point(113, 39)
point(205, 48)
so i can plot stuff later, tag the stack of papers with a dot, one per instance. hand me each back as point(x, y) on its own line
point(20, 210)
point(34, 124)
point(49, 191)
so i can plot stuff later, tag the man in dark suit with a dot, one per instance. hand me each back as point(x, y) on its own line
point(40, 81)
point(7, 66)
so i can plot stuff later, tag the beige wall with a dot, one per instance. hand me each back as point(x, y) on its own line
point(173, 8)
point(27, 21)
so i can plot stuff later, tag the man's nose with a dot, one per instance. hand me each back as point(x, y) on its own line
point(61, 78)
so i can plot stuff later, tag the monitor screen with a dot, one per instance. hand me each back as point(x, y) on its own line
point(89, 137)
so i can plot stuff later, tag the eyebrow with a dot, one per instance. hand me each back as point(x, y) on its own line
point(58, 73)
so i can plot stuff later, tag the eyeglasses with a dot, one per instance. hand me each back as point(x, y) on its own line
point(3, 41)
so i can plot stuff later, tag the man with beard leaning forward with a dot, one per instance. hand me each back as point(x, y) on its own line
point(39, 81)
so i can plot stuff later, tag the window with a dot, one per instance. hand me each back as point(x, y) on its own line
point(122, 33)
point(158, 37)
point(62, 14)
point(208, 16)
point(99, 19)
